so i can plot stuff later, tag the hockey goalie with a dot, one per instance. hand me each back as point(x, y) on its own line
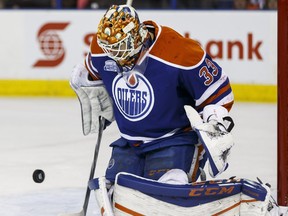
point(171, 103)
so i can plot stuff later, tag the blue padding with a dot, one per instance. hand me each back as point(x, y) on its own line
point(254, 189)
point(93, 184)
point(190, 195)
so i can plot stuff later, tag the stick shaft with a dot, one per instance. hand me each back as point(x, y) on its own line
point(129, 2)
point(92, 172)
point(93, 167)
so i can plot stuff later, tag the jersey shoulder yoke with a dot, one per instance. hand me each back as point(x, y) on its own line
point(172, 47)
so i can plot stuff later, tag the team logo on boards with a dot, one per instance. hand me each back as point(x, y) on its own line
point(134, 96)
point(51, 45)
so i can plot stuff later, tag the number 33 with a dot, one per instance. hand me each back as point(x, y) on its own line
point(209, 76)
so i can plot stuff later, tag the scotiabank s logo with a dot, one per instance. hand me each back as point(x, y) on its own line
point(51, 45)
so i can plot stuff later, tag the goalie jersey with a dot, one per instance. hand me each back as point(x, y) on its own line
point(149, 99)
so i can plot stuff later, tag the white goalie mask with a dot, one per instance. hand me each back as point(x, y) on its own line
point(121, 35)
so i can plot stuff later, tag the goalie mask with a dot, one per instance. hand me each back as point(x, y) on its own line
point(121, 35)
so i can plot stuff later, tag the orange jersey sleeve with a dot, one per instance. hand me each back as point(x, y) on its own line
point(186, 52)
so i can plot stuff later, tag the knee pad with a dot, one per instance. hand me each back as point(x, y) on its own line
point(124, 159)
point(174, 157)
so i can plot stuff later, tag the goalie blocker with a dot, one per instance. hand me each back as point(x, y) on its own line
point(134, 195)
point(93, 98)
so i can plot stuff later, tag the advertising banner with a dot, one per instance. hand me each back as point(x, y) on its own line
point(46, 44)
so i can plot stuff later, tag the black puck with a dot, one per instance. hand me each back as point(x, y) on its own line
point(38, 176)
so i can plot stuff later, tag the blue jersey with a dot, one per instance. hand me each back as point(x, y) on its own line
point(149, 101)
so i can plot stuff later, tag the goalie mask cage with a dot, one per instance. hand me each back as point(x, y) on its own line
point(282, 104)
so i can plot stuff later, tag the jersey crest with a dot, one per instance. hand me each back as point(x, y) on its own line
point(111, 65)
point(133, 95)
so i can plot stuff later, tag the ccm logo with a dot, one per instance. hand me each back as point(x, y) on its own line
point(51, 45)
point(210, 191)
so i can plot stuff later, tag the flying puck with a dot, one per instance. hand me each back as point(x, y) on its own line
point(38, 176)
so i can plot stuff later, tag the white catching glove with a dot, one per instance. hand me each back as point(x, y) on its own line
point(214, 135)
point(93, 98)
point(218, 115)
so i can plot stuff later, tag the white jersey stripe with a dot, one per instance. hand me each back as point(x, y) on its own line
point(148, 139)
point(209, 91)
point(89, 65)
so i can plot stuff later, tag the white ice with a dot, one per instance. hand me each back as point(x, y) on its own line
point(46, 133)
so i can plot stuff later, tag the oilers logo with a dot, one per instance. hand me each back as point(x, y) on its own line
point(134, 96)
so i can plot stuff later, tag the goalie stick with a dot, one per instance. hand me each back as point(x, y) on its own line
point(96, 152)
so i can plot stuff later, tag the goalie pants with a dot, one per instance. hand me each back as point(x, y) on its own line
point(153, 164)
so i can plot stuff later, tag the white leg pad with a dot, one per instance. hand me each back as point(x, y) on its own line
point(103, 199)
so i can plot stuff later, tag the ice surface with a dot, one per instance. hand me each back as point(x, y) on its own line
point(46, 133)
